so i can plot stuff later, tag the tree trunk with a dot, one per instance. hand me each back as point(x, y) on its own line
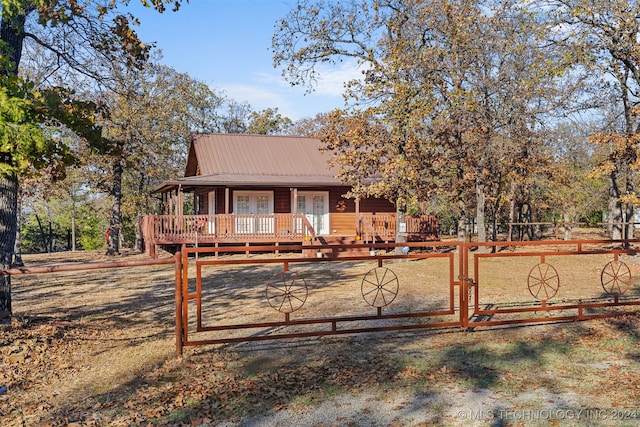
point(11, 33)
point(17, 253)
point(115, 224)
point(615, 209)
point(43, 238)
point(401, 230)
point(512, 211)
point(51, 242)
point(629, 211)
point(630, 214)
point(568, 227)
point(139, 238)
point(139, 244)
point(480, 210)
point(462, 228)
point(8, 228)
point(73, 221)
point(11, 41)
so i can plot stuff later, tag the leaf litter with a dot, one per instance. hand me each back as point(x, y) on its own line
point(99, 371)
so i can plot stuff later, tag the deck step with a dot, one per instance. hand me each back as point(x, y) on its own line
point(345, 250)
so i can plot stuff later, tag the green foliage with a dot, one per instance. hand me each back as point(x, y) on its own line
point(91, 227)
point(268, 122)
point(22, 142)
point(48, 226)
point(33, 124)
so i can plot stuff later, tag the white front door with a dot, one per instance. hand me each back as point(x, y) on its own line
point(250, 203)
point(315, 206)
point(211, 212)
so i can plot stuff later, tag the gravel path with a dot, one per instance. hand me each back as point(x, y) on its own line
point(455, 407)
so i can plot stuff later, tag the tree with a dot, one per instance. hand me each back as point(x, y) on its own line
point(571, 190)
point(448, 88)
point(152, 113)
point(608, 31)
point(236, 117)
point(268, 122)
point(310, 126)
point(82, 37)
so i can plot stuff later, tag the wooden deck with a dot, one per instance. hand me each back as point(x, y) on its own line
point(231, 229)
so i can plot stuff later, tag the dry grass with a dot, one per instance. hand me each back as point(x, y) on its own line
point(97, 348)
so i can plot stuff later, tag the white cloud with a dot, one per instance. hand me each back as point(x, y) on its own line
point(331, 79)
point(270, 90)
point(260, 97)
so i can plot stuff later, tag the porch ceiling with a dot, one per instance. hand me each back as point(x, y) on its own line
point(244, 180)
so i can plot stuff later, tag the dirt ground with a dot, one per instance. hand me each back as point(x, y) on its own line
point(97, 348)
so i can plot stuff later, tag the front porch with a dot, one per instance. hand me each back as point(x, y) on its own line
point(235, 229)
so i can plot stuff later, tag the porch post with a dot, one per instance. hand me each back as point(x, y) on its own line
point(294, 212)
point(180, 207)
point(401, 226)
point(295, 201)
point(226, 200)
point(358, 222)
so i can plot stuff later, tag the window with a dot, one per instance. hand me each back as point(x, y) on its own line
point(253, 211)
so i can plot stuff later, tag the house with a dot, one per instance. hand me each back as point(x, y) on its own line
point(264, 189)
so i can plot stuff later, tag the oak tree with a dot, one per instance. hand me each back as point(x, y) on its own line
point(608, 31)
point(152, 112)
point(82, 37)
point(451, 98)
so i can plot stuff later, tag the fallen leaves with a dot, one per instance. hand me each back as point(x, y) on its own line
point(212, 385)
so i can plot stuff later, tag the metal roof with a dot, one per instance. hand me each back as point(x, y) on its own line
point(255, 160)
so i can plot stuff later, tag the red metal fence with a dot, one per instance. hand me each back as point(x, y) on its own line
point(391, 287)
point(406, 286)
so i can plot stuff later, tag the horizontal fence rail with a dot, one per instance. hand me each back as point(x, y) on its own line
point(565, 280)
point(403, 286)
point(320, 290)
point(283, 290)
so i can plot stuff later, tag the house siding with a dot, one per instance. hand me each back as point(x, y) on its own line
point(282, 200)
point(376, 205)
point(336, 196)
point(343, 223)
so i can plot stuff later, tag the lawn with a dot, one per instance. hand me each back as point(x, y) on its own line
point(98, 348)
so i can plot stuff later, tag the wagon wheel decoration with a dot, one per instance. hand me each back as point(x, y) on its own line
point(286, 292)
point(615, 278)
point(379, 287)
point(543, 281)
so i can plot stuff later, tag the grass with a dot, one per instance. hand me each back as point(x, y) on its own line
point(97, 348)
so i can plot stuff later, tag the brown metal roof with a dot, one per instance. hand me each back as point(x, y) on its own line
point(256, 160)
point(260, 155)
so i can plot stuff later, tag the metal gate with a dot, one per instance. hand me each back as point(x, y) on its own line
point(256, 293)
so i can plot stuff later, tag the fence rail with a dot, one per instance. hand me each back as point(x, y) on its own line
point(460, 289)
point(397, 286)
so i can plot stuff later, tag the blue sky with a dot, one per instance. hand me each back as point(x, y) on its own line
point(227, 45)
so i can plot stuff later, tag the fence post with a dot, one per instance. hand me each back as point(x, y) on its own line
point(178, 280)
point(464, 284)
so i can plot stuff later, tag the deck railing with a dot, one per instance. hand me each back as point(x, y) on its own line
point(284, 227)
point(228, 227)
point(375, 227)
